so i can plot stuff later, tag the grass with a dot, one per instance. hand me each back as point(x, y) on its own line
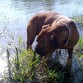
point(79, 58)
point(79, 49)
point(24, 69)
point(78, 20)
point(79, 52)
point(46, 70)
point(25, 64)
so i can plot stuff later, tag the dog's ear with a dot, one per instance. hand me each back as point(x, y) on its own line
point(43, 30)
point(46, 26)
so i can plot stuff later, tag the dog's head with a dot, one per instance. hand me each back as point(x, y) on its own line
point(47, 40)
point(44, 41)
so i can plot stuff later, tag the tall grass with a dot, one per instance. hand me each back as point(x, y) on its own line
point(40, 72)
point(78, 19)
point(79, 51)
point(25, 69)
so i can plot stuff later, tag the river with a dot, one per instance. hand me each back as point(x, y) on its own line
point(15, 14)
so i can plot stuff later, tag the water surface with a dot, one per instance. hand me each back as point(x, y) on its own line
point(15, 14)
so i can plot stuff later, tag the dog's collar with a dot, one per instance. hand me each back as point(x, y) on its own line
point(67, 28)
point(68, 33)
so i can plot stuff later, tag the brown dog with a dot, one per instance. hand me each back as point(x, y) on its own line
point(53, 31)
point(36, 23)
